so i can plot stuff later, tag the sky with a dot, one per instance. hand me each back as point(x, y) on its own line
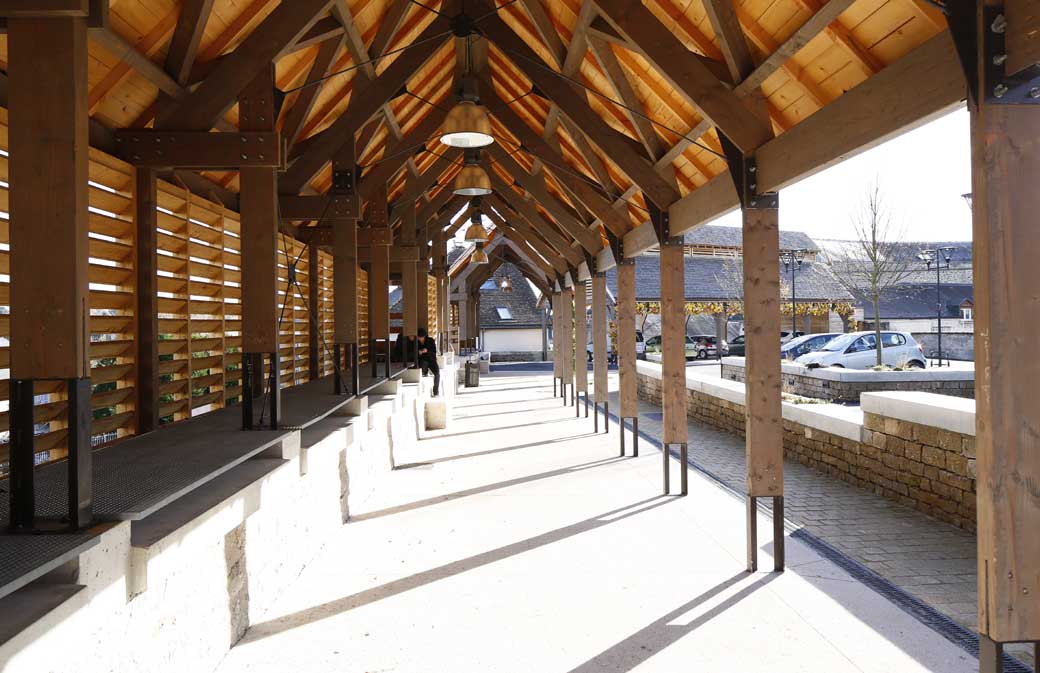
point(922, 175)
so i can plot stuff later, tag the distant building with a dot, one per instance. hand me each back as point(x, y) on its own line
point(510, 322)
point(714, 283)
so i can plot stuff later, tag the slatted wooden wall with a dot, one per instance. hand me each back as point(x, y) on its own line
point(325, 317)
point(431, 301)
point(292, 312)
point(362, 309)
point(199, 305)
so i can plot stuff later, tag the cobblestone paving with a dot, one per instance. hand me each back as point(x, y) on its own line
point(932, 560)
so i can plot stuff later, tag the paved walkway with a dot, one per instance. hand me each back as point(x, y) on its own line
point(910, 552)
point(519, 542)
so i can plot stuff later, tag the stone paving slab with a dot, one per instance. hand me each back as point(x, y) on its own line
point(931, 560)
point(522, 542)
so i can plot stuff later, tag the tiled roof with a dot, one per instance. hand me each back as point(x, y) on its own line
point(718, 279)
point(521, 303)
point(732, 237)
point(918, 301)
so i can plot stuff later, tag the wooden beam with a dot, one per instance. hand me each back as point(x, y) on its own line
point(323, 208)
point(923, 85)
point(613, 220)
point(42, 9)
point(146, 314)
point(581, 339)
point(115, 44)
point(318, 150)
point(287, 23)
point(565, 341)
point(517, 232)
point(199, 149)
point(690, 78)
point(623, 87)
point(611, 143)
point(505, 197)
point(734, 46)
point(396, 154)
point(49, 219)
point(184, 47)
point(536, 186)
point(391, 22)
point(1023, 35)
point(259, 204)
point(345, 272)
point(305, 98)
point(543, 24)
point(640, 239)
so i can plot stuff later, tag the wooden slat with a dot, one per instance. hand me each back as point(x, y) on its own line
point(184, 47)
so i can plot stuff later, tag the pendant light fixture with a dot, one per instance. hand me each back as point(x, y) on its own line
point(479, 256)
point(467, 124)
point(506, 285)
point(475, 233)
point(472, 180)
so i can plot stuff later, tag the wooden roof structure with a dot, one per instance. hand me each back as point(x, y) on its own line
point(603, 110)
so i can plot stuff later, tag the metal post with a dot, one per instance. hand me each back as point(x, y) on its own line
point(276, 389)
point(991, 655)
point(667, 479)
point(778, 533)
point(621, 434)
point(606, 418)
point(752, 533)
point(938, 303)
point(595, 417)
point(355, 368)
point(337, 382)
point(22, 479)
point(81, 456)
point(683, 467)
point(635, 436)
point(247, 390)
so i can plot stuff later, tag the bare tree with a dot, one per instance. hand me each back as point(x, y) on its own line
point(876, 262)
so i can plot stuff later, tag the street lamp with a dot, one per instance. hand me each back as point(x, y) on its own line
point(967, 199)
point(792, 260)
point(940, 259)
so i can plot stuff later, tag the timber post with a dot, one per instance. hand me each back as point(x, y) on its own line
point(628, 392)
point(581, 365)
point(673, 348)
point(379, 238)
point(599, 347)
point(49, 297)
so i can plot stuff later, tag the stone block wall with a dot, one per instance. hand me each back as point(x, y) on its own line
point(921, 466)
point(848, 392)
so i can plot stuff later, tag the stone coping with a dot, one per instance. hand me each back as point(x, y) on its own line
point(956, 414)
point(866, 375)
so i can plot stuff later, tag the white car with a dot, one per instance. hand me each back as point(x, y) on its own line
point(858, 350)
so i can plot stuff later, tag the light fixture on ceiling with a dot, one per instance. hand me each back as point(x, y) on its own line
point(506, 285)
point(479, 256)
point(475, 233)
point(472, 180)
point(467, 124)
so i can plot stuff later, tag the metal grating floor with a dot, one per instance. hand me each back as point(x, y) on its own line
point(24, 558)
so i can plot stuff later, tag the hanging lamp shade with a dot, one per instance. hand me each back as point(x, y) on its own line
point(467, 126)
point(475, 233)
point(472, 181)
point(506, 285)
point(479, 256)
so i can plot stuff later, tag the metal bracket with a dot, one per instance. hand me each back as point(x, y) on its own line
point(997, 86)
point(343, 182)
point(744, 171)
point(662, 225)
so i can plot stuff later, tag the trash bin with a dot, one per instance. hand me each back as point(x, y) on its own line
point(472, 374)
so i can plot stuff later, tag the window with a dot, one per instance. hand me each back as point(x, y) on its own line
point(489, 284)
point(504, 313)
point(966, 314)
point(864, 343)
point(890, 339)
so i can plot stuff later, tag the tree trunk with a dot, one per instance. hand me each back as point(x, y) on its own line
point(877, 326)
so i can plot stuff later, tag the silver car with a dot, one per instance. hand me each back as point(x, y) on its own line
point(858, 350)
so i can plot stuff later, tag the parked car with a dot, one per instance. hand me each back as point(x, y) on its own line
point(785, 336)
point(707, 345)
point(858, 350)
point(640, 346)
point(806, 343)
point(694, 348)
point(736, 346)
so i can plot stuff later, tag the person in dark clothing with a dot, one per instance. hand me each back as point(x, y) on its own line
point(428, 359)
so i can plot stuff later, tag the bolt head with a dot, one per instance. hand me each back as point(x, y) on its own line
point(1034, 92)
point(1000, 90)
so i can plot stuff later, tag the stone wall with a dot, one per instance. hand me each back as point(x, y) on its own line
point(846, 386)
point(517, 356)
point(922, 466)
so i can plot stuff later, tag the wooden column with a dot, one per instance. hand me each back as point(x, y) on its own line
point(581, 367)
point(409, 280)
point(764, 416)
point(556, 359)
point(259, 211)
point(379, 278)
point(673, 353)
point(599, 337)
point(49, 299)
point(345, 282)
point(464, 321)
point(147, 306)
point(566, 340)
point(1006, 201)
point(423, 298)
point(313, 322)
point(626, 321)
